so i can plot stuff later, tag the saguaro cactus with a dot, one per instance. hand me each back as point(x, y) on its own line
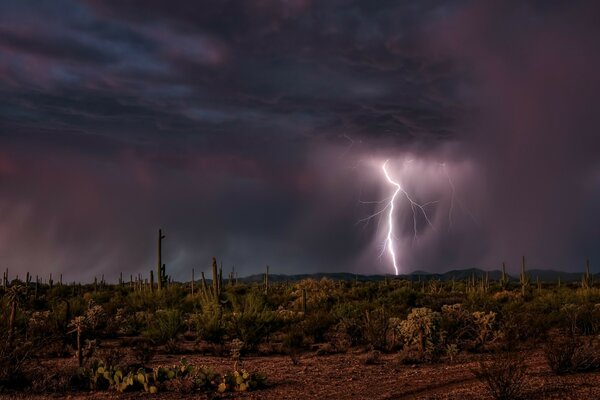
point(160, 268)
point(13, 298)
point(204, 285)
point(524, 278)
point(587, 279)
point(215, 277)
point(504, 278)
point(304, 301)
point(267, 280)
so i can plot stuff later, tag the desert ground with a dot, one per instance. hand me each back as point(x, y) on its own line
point(345, 376)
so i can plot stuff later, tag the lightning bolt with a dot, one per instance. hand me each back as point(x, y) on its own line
point(390, 205)
point(455, 199)
point(389, 241)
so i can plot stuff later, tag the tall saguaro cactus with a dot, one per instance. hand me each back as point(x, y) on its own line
point(161, 276)
point(588, 279)
point(524, 278)
point(215, 278)
point(504, 278)
point(266, 278)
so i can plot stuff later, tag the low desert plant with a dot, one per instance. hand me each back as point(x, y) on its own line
point(209, 323)
point(13, 357)
point(372, 357)
point(165, 325)
point(570, 354)
point(293, 343)
point(421, 330)
point(241, 381)
point(143, 352)
point(182, 378)
point(376, 325)
point(504, 377)
point(252, 321)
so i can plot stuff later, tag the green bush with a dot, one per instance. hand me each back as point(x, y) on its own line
point(252, 321)
point(165, 325)
point(210, 323)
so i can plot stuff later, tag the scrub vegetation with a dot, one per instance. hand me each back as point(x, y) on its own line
point(75, 338)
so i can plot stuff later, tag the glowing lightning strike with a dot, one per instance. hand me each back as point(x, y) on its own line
point(389, 241)
point(389, 205)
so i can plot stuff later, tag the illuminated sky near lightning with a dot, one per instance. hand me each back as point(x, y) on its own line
point(255, 131)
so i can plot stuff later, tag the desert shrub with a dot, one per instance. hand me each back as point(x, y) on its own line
point(320, 294)
point(293, 343)
point(485, 328)
point(143, 352)
point(409, 355)
point(13, 357)
point(349, 321)
point(588, 322)
point(570, 354)
point(581, 319)
point(63, 310)
point(518, 322)
point(375, 328)
point(457, 325)
point(59, 381)
point(209, 323)
point(95, 316)
point(406, 296)
point(39, 325)
point(421, 330)
point(165, 325)
point(504, 377)
point(252, 321)
point(478, 300)
point(371, 358)
point(168, 298)
point(127, 323)
point(316, 324)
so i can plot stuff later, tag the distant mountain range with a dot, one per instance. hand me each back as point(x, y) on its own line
point(462, 274)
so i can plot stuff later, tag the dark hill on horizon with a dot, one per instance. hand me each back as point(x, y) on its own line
point(461, 274)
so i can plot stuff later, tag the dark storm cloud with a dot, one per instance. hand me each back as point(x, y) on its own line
point(536, 134)
point(241, 128)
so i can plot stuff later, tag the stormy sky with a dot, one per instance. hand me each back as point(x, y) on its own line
point(255, 131)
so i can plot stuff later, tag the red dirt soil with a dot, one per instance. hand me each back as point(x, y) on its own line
point(344, 376)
